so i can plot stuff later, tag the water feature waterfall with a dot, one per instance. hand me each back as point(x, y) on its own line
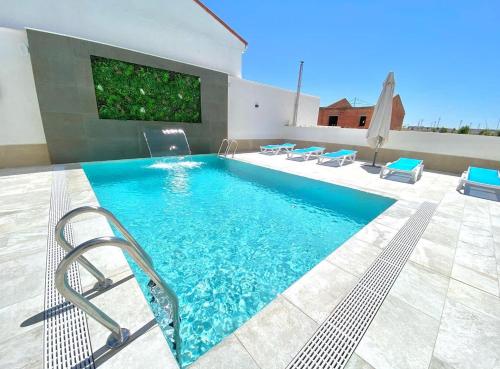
point(166, 142)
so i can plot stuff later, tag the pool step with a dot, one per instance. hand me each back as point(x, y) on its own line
point(165, 316)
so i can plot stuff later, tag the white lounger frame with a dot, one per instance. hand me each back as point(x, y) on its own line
point(414, 174)
point(276, 150)
point(465, 181)
point(340, 160)
point(306, 155)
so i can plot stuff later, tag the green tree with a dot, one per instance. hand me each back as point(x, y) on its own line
point(464, 130)
point(443, 130)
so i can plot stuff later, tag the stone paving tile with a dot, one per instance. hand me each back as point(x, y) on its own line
point(320, 290)
point(421, 288)
point(25, 201)
point(376, 234)
point(449, 220)
point(275, 335)
point(33, 218)
point(18, 245)
point(354, 256)
point(495, 231)
point(7, 222)
point(148, 350)
point(400, 337)
point(474, 299)
point(230, 353)
point(441, 234)
point(497, 254)
point(23, 351)
point(355, 362)
point(476, 265)
point(476, 234)
point(435, 256)
point(469, 335)
point(23, 220)
point(21, 317)
point(22, 278)
point(396, 216)
point(3, 242)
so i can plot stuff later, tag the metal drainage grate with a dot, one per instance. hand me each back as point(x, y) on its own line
point(66, 338)
point(335, 340)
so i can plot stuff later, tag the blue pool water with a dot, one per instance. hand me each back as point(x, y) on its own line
point(227, 236)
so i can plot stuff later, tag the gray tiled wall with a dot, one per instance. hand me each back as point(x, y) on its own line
point(65, 89)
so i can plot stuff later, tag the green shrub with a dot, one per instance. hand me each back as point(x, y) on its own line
point(126, 91)
point(464, 130)
point(443, 130)
point(486, 132)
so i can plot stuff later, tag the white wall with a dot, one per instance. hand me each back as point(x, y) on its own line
point(275, 110)
point(20, 121)
point(174, 29)
point(471, 146)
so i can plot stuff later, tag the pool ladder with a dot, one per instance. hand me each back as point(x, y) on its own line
point(229, 144)
point(119, 335)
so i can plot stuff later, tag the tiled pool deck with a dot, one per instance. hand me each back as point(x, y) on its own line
point(442, 312)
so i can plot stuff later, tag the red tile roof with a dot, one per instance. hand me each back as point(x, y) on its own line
point(204, 7)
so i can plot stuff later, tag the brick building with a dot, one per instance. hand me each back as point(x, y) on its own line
point(343, 114)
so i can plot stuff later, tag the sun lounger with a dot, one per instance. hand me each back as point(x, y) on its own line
point(339, 157)
point(275, 149)
point(480, 177)
point(404, 166)
point(306, 153)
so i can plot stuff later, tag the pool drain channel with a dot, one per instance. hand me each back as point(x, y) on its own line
point(66, 337)
point(335, 340)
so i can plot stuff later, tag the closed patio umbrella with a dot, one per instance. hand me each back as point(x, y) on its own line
point(378, 131)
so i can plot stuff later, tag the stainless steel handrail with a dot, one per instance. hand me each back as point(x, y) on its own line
point(102, 282)
point(118, 335)
point(229, 147)
point(229, 142)
point(221, 144)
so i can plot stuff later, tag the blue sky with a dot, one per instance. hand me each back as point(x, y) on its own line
point(445, 54)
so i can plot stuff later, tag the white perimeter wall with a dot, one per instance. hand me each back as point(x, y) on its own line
point(20, 121)
point(174, 29)
point(275, 110)
point(470, 146)
point(269, 121)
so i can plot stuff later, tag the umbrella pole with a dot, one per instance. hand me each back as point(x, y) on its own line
point(375, 157)
point(379, 140)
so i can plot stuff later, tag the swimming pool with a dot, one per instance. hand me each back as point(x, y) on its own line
point(227, 236)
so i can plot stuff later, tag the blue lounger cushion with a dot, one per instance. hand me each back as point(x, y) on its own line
point(405, 164)
point(278, 146)
point(484, 175)
point(339, 154)
point(308, 149)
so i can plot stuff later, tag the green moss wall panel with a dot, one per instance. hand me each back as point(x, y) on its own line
point(127, 91)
